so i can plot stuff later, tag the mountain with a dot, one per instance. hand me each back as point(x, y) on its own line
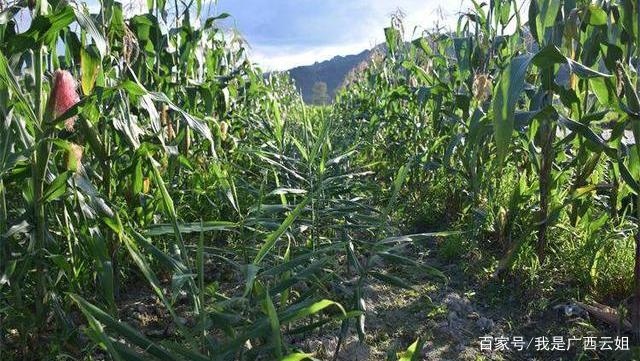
point(331, 72)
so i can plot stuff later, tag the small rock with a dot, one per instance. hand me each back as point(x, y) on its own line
point(154, 332)
point(452, 317)
point(313, 345)
point(473, 316)
point(485, 324)
point(355, 351)
point(570, 310)
point(135, 324)
point(329, 345)
point(460, 347)
point(183, 296)
point(171, 330)
point(458, 304)
point(431, 324)
point(468, 354)
point(455, 335)
point(324, 347)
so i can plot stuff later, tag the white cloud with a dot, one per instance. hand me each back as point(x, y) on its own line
point(288, 33)
point(272, 58)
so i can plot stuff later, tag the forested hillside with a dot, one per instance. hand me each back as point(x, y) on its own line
point(331, 72)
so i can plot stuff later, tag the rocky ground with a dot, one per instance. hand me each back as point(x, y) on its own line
point(454, 317)
point(450, 317)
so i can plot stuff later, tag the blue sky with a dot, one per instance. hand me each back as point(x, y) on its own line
point(287, 33)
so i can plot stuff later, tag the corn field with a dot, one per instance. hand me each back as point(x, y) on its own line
point(146, 157)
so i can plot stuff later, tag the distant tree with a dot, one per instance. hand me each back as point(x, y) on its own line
point(319, 93)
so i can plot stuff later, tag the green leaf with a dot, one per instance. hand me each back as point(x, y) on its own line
point(312, 310)
point(193, 122)
point(274, 322)
point(397, 185)
point(135, 88)
point(361, 305)
point(161, 257)
point(417, 236)
point(604, 90)
point(201, 289)
point(630, 93)
point(310, 327)
point(391, 279)
point(7, 272)
point(392, 35)
point(273, 237)
point(161, 229)
point(44, 29)
point(251, 272)
point(628, 178)
point(89, 66)
point(406, 261)
point(83, 17)
point(21, 103)
point(298, 357)
point(551, 55)
point(597, 16)
point(138, 179)
point(279, 191)
point(413, 352)
point(507, 93)
point(543, 17)
point(151, 277)
point(57, 187)
point(98, 333)
point(92, 312)
point(463, 49)
point(169, 208)
point(588, 134)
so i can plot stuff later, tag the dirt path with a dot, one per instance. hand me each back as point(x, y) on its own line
point(452, 318)
point(441, 313)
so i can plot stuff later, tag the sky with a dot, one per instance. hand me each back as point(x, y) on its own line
point(283, 34)
point(286, 33)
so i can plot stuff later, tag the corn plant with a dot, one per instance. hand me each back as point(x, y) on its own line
point(552, 117)
point(130, 155)
point(148, 151)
